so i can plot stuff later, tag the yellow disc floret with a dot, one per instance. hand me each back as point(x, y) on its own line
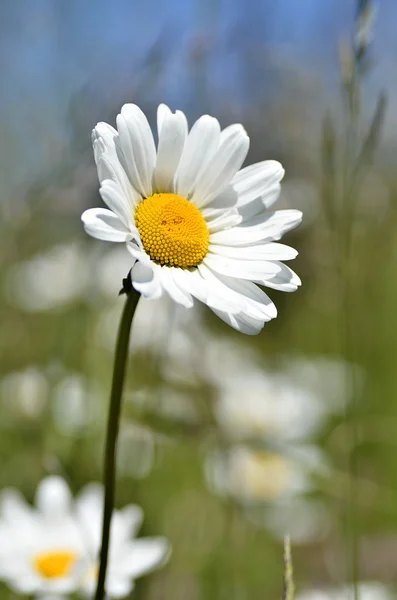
point(173, 231)
point(52, 565)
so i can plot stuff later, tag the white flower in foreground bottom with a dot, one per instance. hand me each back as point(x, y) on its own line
point(195, 224)
point(52, 549)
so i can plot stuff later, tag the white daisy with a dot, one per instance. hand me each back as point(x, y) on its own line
point(52, 549)
point(367, 591)
point(195, 224)
point(272, 487)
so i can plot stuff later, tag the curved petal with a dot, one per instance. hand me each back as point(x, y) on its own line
point(104, 225)
point(225, 163)
point(240, 322)
point(254, 181)
point(145, 280)
point(117, 586)
point(197, 286)
point(14, 508)
point(251, 299)
point(200, 146)
point(53, 497)
point(262, 228)
point(163, 111)
point(224, 220)
point(172, 137)
point(143, 555)
point(114, 198)
point(286, 280)
point(241, 269)
point(270, 251)
point(138, 149)
point(104, 141)
point(177, 292)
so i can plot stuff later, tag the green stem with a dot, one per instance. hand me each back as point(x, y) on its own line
point(109, 478)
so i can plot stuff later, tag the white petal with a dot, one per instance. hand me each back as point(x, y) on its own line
point(143, 555)
point(114, 198)
point(226, 199)
point(14, 508)
point(103, 224)
point(131, 516)
point(105, 140)
point(259, 205)
point(202, 290)
point(285, 280)
point(270, 251)
point(254, 181)
point(118, 587)
point(172, 137)
point(163, 111)
point(89, 502)
point(224, 165)
point(267, 227)
point(242, 269)
point(53, 497)
point(110, 168)
point(251, 300)
point(240, 322)
point(224, 220)
point(201, 143)
point(175, 291)
point(144, 276)
point(137, 145)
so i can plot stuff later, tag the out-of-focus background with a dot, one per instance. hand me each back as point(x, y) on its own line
point(227, 442)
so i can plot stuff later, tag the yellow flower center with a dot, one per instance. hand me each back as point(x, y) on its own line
point(55, 564)
point(173, 231)
point(267, 476)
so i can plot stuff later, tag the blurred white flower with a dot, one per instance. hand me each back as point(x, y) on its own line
point(196, 225)
point(136, 448)
point(24, 393)
point(367, 591)
point(288, 403)
point(54, 278)
point(76, 404)
point(272, 486)
point(51, 550)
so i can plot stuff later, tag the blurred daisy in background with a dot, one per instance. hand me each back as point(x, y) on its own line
point(52, 279)
point(195, 223)
point(367, 591)
point(268, 460)
point(51, 549)
point(24, 394)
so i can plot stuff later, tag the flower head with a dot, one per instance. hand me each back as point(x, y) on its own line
point(52, 549)
point(195, 223)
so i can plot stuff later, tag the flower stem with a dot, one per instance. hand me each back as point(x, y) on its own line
point(109, 478)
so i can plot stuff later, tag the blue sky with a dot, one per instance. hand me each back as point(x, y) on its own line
point(51, 49)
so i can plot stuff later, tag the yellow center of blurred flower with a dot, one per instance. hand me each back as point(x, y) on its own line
point(266, 475)
point(173, 231)
point(55, 564)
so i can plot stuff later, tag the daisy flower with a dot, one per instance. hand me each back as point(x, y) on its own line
point(367, 590)
point(272, 488)
point(195, 223)
point(51, 549)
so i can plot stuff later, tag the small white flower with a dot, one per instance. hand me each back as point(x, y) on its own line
point(52, 549)
point(272, 488)
point(195, 223)
point(367, 591)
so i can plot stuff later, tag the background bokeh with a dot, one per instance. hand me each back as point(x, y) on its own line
point(227, 442)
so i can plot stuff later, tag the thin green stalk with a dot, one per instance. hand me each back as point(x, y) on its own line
point(289, 586)
point(109, 477)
